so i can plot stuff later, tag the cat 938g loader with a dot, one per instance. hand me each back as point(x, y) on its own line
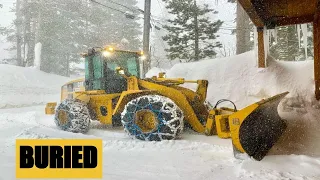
point(154, 109)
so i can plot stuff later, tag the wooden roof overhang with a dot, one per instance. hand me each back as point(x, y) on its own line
point(272, 13)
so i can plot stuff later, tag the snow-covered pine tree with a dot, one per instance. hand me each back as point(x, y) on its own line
point(243, 30)
point(21, 33)
point(67, 28)
point(191, 34)
point(109, 27)
point(129, 29)
point(287, 46)
point(58, 30)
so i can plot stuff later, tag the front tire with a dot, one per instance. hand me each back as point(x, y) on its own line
point(72, 115)
point(152, 118)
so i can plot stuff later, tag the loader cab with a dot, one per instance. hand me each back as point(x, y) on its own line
point(100, 69)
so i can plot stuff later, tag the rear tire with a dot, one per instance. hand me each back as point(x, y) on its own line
point(72, 115)
point(152, 118)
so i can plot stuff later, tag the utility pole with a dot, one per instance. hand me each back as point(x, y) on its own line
point(146, 36)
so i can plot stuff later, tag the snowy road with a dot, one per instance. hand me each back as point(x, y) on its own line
point(193, 157)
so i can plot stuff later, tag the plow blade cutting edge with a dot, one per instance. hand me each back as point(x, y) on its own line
point(256, 128)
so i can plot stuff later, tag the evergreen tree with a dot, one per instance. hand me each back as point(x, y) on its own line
point(287, 46)
point(191, 34)
point(243, 30)
point(67, 28)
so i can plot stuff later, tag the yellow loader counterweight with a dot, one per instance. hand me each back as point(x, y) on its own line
point(158, 108)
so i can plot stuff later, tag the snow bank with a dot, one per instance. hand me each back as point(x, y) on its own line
point(21, 86)
point(155, 71)
point(238, 79)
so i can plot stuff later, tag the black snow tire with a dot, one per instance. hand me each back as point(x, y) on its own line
point(93, 115)
point(168, 114)
point(77, 116)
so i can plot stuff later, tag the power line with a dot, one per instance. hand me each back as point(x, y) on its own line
point(162, 11)
point(129, 8)
point(157, 22)
point(155, 26)
point(162, 43)
point(159, 37)
point(122, 5)
point(225, 33)
point(130, 16)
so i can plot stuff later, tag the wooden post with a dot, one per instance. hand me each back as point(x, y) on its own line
point(316, 44)
point(261, 53)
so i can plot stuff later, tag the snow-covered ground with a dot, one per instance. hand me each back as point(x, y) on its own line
point(195, 156)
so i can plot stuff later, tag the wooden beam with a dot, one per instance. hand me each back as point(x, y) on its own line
point(298, 8)
point(252, 13)
point(316, 41)
point(279, 12)
point(282, 21)
point(261, 53)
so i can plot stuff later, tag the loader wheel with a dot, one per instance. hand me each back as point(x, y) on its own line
point(93, 114)
point(73, 116)
point(152, 118)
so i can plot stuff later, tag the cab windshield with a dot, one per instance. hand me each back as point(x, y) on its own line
point(127, 60)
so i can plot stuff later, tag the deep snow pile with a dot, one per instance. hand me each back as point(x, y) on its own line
point(238, 79)
point(27, 86)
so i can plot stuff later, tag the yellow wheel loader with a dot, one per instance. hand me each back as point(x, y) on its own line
point(158, 108)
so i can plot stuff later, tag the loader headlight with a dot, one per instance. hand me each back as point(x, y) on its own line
point(143, 57)
point(121, 72)
point(111, 49)
point(106, 53)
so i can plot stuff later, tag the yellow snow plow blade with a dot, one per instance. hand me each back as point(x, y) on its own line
point(256, 128)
